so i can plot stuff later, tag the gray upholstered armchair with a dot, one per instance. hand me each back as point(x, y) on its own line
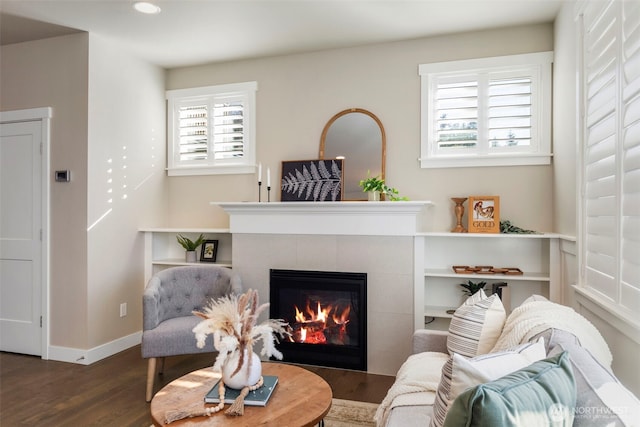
point(169, 298)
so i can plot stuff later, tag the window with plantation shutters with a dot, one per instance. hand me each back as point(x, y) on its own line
point(610, 148)
point(211, 130)
point(486, 112)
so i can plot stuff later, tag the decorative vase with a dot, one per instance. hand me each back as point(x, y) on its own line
point(459, 211)
point(249, 373)
point(191, 256)
point(374, 196)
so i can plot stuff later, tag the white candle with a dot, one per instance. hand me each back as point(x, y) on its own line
point(268, 177)
point(260, 172)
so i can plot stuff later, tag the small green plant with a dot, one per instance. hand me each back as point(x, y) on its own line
point(188, 244)
point(374, 183)
point(377, 184)
point(471, 288)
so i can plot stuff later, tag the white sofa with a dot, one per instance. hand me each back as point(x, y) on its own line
point(599, 398)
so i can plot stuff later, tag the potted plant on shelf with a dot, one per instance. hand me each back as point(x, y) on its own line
point(190, 246)
point(471, 288)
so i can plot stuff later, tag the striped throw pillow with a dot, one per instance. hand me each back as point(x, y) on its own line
point(476, 325)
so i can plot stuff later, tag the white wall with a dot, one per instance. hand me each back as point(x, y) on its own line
point(565, 111)
point(102, 100)
point(298, 94)
point(126, 161)
point(53, 73)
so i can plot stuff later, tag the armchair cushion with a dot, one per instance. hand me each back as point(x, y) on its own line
point(169, 338)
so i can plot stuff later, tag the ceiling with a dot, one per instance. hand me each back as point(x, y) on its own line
point(190, 32)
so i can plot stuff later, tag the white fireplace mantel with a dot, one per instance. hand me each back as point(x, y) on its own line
point(337, 218)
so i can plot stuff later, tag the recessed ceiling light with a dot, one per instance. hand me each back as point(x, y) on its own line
point(146, 7)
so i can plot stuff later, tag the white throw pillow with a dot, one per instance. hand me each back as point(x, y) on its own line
point(488, 367)
point(476, 325)
point(460, 373)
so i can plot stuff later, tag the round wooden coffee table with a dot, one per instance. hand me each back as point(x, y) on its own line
point(301, 398)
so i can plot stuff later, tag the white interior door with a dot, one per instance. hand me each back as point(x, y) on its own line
point(21, 237)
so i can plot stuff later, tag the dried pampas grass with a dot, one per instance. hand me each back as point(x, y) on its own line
point(232, 321)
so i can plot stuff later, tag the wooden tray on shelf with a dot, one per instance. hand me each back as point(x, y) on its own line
point(486, 269)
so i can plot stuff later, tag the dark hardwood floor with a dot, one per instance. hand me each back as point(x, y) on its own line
point(38, 392)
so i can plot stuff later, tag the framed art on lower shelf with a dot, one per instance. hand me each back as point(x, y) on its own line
point(484, 214)
point(209, 251)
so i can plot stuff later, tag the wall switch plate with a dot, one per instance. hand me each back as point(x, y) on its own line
point(123, 309)
point(63, 176)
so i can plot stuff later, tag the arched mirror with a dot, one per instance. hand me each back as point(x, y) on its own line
point(357, 136)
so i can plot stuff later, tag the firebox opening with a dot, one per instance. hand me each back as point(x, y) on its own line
point(327, 315)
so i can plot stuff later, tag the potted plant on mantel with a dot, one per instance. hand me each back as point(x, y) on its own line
point(375, 187)
point(190, 246)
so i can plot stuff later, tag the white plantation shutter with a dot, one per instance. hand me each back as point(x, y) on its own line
point(456, 114)
point(228, 128)
point(487, 112)
point(509, 112)
point(193, 135)
point(610, 253)
point(211, 129)
point(630, 203)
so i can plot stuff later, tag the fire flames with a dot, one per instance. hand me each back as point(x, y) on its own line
point(322, 325)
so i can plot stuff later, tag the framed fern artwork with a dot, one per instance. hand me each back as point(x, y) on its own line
point(311, 181)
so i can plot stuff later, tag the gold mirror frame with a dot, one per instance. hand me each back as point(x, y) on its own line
point(383, 151)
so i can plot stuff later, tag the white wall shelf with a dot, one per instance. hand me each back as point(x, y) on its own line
point(437, 285)
point(437, 311)
point(163, 251)
point(504, 277)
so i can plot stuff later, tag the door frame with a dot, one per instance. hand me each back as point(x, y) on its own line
point(43, 115)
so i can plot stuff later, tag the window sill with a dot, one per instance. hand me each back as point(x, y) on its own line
point(485, 161)
point(610, 313)
point(210, 170)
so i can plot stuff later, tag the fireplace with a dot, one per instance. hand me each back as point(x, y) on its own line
point(327, 313)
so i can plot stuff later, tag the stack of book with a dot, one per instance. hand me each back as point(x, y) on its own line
point(257, 397)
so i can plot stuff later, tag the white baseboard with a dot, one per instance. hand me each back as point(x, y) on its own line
point(87, 357)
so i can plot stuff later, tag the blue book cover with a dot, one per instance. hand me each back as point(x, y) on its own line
point(257, 397)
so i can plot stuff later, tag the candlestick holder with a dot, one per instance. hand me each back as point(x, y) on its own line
point(259, 190)
point(459, 211)
point(268, 193)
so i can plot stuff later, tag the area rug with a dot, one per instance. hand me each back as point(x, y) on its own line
point(349, 413)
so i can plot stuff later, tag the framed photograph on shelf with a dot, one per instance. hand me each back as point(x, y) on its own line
point(209, 251)
point(484, 214)
point(312, 181)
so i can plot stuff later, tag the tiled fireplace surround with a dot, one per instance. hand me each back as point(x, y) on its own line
point(376, 238)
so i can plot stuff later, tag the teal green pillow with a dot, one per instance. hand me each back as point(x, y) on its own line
point(542, 394)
